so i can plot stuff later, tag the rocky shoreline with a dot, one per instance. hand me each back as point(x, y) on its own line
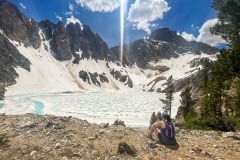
point(49, 137)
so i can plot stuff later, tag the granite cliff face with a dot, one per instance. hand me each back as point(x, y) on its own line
point(17, 26)
point(74, 40)
point(90, 44)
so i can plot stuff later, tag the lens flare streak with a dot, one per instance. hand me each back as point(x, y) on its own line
point(122, 30)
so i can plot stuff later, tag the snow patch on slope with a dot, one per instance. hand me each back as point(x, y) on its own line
point(179, 67)
point(47, 75)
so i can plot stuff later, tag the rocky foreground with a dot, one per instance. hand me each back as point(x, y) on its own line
point(49, 137)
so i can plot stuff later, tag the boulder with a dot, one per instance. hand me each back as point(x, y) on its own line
point(228, 134)
point(123, 147)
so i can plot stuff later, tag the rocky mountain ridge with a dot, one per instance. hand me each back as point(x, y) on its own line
point(162, 44)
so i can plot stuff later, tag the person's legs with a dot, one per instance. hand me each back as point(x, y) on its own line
point(154, 128)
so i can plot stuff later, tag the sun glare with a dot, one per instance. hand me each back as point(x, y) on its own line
point(122, 15)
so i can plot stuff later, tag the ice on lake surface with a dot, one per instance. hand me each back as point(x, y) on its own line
point(134, 107)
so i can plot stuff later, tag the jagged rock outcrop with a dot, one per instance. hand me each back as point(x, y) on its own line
point(162, 44)
point(17, 26)
point(9, 59)
point(182, 46)
point(2, 90)
point(122, 78)
point(84, 76)
point(94, 77)
point(47, 28)
point(58, 37)
point(60, 44)
point(74, 39)
point(84, 40)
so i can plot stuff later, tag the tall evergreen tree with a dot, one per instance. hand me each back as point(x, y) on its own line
point(229, 17)
point(168, 95)
point(153, 119)
point(187, 104)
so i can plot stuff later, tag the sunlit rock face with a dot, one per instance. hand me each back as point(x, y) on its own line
point(17, 26)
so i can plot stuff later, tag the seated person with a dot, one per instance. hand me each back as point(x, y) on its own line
point(165, 130)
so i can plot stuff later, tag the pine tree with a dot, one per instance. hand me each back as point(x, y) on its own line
point(229, 17)
point(169, 94)
point(236, 102)
point(187, 104)
point(153, 119)
point(219, 78)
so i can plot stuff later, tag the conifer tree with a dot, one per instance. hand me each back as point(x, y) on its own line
point(153, 119)
point(187, 103)
point(229, 17)
point(168, 95)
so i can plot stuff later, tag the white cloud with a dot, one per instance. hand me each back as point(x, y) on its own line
point(194, 27)
point(68, 13)
point(144, 12)
point(187, 36)
point(73, 20)
point(71, 7)
point(59, 18)
point(100, 5)
point(23, 6)
point(205, 35)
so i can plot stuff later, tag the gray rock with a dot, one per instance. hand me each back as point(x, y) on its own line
point(105, 125)
point(58, 145)
point(33, 153)
point(228, 134)
point(151, 145)
point(64, 158)
point(77, 154)
point(122, 78)
point(84, 76)
point(207, 136)
point(177, 129)
point(28, 124)
point(124, 147)
point(197, 149)
point(49, 123)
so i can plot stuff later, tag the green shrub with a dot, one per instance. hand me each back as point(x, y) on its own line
point(119, 122)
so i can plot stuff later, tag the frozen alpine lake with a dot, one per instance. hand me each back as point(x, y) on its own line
point(133, 107)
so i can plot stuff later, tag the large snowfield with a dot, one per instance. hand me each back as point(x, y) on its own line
point(133, 107)
point(41, 90)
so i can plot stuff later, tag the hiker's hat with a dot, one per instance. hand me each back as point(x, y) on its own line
point(163, 114)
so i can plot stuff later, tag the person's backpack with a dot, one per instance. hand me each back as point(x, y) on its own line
point(169, 131)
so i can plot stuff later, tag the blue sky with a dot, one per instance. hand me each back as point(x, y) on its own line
point(190, 18)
